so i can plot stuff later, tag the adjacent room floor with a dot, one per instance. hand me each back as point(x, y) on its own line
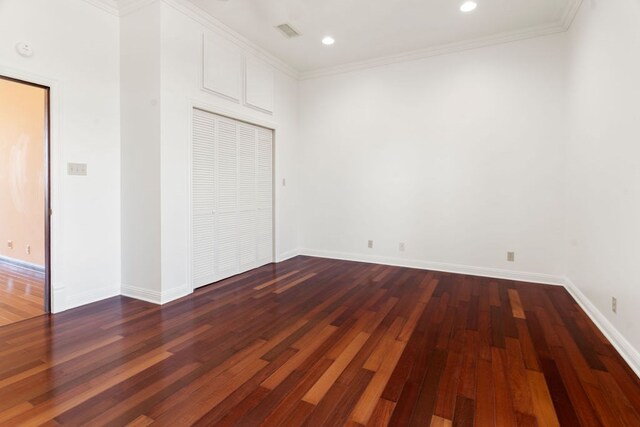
point(21, 293)
point(321, 342)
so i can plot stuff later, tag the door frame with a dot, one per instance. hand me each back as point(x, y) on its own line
point(47, 185)
point(246, 118)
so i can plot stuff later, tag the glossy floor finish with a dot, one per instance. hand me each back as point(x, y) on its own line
point(319, 342)
point(21, 293)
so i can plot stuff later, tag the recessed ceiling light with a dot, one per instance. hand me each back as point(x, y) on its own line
point(468, 6)
point(328, 41)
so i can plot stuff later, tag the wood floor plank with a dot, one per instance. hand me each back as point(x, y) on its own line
point(382, 413)
point(369, 399)
point(516, 304)
point(320, 388)
point(313, 341)
point(463, 415)
point(542, 403)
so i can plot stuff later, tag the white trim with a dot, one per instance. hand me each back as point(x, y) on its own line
point(231, 114)
point(175, 293)
point(140, 293)
point(570, 13)
point(287, 255)
point(546, 279)
point(155, 297)
point(59, 295)
point(630, 354)
point(88, 297)
point(109, 6)
point(129, 6)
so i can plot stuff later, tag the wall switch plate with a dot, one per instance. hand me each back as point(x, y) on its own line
point(77, 169)
point(370, 244)
point(10, 244)
point(401, 247)
point(284, 182)
point(511, 256)
point(614, 304)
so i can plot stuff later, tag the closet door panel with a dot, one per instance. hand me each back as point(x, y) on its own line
point(247, 226)
point(227, 165)
point(247, 239)
point(264, 194)
point(203, 199)
point(227, 198)
point(226, 245)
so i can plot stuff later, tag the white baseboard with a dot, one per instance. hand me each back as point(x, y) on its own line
point(497, 273)
point(141, 293)
point(155, 297)
point(624, 347)
point(175, 293)
point(84, 298)
point(288, 255)
point(58, 298)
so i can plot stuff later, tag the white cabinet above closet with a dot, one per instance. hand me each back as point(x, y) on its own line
point(236, 76)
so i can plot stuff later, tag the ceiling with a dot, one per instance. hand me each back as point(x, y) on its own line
point(367, 30)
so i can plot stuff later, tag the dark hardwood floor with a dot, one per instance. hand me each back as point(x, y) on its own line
point(21, 293)
point(320, 342)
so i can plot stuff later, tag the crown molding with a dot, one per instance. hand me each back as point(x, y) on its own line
point(109, 6)
point(129, 6)
point(570, 13)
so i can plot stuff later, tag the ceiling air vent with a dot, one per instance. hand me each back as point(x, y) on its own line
point(288, 31)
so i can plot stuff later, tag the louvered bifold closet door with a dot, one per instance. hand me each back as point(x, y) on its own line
point(203, 199)
point(227, 259)
point(232, 201)
point(264, 199)
point(247, 216)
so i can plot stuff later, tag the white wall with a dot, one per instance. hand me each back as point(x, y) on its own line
point(140, 121)
point(182, 37)
point(77, 53)
point(603, 168)
point(459, 156)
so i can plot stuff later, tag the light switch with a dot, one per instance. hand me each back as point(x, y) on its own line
point(77, 169)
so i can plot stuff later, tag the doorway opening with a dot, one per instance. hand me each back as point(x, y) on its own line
point(25, 276)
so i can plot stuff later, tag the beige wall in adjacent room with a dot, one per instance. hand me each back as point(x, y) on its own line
point(22, 148)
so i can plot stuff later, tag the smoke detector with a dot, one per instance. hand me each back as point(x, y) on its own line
point(288, 31)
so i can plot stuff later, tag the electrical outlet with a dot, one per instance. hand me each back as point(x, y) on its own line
point(370, 244)
point(511, 256)
point(614, 304)
point(401, 246)
point(29, 249)
point(77, 169)
point(284, 182)
point(10, 244)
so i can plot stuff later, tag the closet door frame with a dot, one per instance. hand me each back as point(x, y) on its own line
point(248, 119)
